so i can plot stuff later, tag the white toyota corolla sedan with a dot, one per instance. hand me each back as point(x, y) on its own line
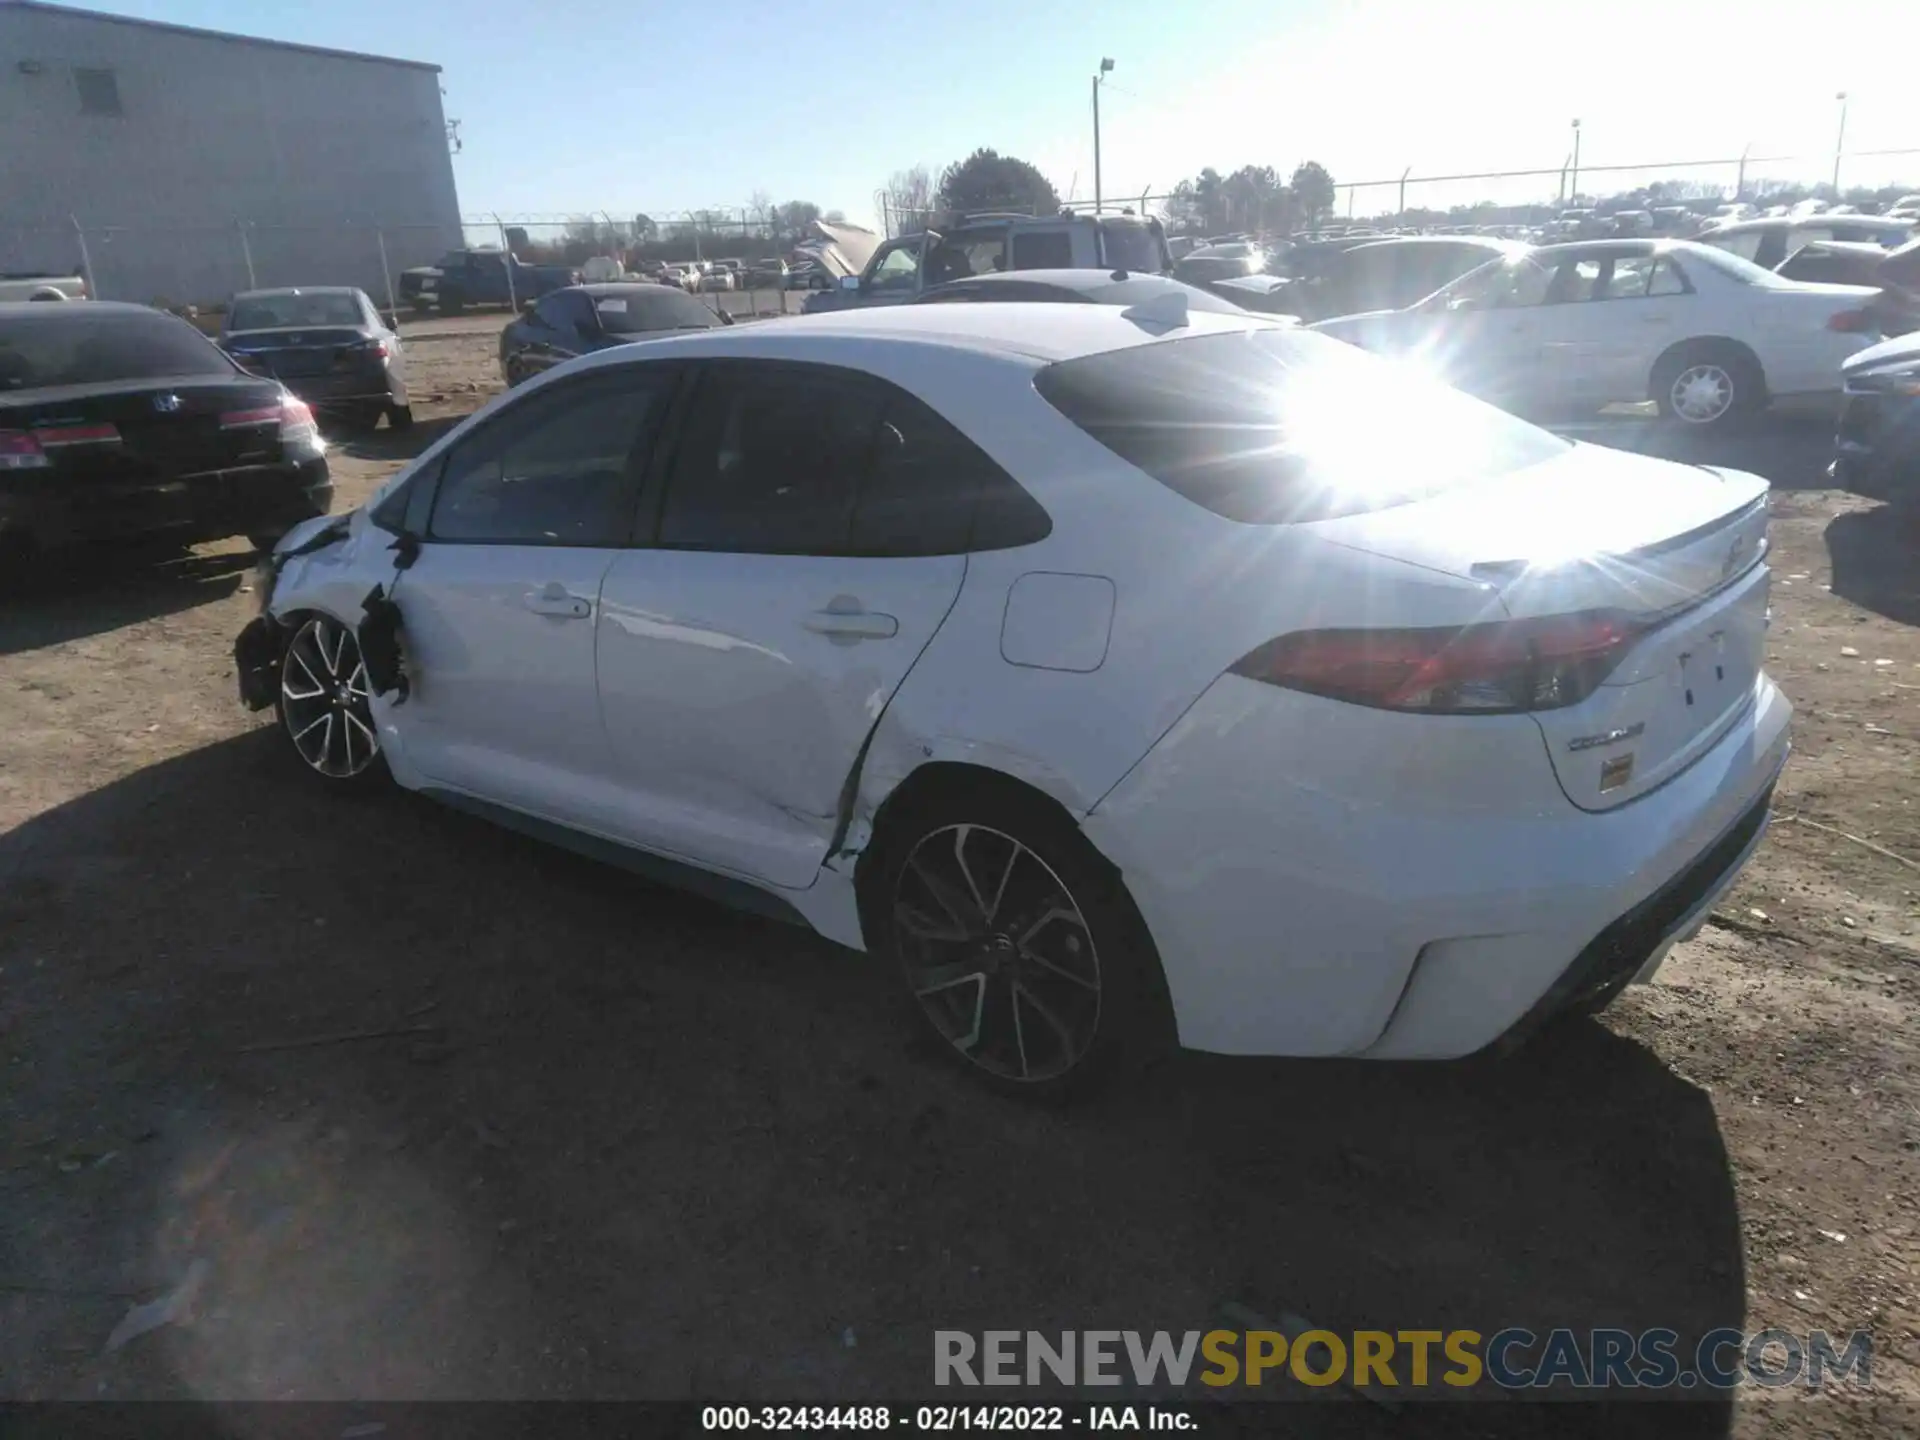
point(1118, 675)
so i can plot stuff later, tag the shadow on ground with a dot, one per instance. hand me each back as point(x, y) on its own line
point(386, 443)
point(601, 1139)
point(76, 593)
point(1790, 451)
point(1876, 560)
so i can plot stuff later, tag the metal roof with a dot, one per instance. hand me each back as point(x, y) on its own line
point(67, 11)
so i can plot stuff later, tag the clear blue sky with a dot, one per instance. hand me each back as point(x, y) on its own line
point(568, 106)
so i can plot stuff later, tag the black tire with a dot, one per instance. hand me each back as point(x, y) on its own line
point(1708, 384)
point(452, 303)
point(399, 417)
point(1069, 988)
point(321, 656)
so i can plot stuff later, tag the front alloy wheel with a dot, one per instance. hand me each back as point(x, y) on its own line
point(998, 953)
point(325, 701)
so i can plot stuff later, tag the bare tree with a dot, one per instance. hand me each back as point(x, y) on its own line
point(910, 199)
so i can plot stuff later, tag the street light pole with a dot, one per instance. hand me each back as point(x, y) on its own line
point(1839, 144)
point(1105, 66)
point(1573, 190)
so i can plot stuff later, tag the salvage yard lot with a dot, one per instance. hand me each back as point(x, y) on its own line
point(603, 1139)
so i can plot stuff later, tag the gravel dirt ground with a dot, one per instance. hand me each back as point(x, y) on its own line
point(603, 1139)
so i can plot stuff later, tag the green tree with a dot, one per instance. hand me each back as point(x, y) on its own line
point(1312, 189)
point(988, 180)
point(794, 220)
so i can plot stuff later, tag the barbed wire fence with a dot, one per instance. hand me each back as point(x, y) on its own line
point(201, 264)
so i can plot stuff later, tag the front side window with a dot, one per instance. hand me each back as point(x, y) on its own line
point(962, 256)
point(556, 469)
point(896, 268)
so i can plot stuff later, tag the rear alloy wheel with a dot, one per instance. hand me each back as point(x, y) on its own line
point(1018, 945)
point(1707, 386)
point(325, 703)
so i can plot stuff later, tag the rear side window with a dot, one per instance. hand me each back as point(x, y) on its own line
point(1042, 250)
point(1131, 247)
point(794, 459)
point(1279, 427)
point(81, 345)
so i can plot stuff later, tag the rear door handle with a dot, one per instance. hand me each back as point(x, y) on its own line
point(846, 620)
point(554, 599)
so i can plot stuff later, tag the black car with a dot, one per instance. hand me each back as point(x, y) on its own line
point(1089, 287)
point(329, 345)
point(1229, 261)
point(585, 318)
point(1879, 442)
point(1382, 274)
point(122, 423)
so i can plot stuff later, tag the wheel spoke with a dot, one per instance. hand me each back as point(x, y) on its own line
point(354, 722)
point(1065, 974)
point(987, 907)
point(936, 978)
point(1053, 1022)
point(312, 725)
point(950, 899)
point(922, 926)
point(312, 679)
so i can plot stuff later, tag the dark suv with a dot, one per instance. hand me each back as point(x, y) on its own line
point(963, 246)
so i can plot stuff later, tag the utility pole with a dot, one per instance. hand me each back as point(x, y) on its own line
point(1839, 144)
point(1105, 66)
point(1573, 192)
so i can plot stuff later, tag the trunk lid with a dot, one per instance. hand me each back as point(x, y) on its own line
point(312, 350)
point(1677, 552)
point(161, 430)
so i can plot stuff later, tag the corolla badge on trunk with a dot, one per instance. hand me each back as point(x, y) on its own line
point(1607, 737)
point(166, 404)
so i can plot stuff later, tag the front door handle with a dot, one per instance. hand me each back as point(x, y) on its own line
point(554, 600)
point(846, 621)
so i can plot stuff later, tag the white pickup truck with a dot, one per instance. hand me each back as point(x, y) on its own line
point(16, 286)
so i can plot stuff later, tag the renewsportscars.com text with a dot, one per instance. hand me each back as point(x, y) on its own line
point(1513, 1358)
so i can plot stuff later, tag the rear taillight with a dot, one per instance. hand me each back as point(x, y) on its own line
point(1851, 322)
point(1500, 668)
point(367, 350)
point(294, 417)
point(56, 437)
point(21, 451)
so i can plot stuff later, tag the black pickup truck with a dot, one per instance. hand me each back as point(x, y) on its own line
point(480, 277)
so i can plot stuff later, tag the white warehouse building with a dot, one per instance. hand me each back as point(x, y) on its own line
point(175, 166)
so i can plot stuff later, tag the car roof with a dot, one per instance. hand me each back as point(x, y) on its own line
point(1034, 332)
point(1489, 243)
point(18, 309)
point(624, 287)
point(1651, 246)
point(1807, 222)
point(296, 290)
point(1098, 285)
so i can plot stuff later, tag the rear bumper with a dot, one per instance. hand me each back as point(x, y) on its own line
point(188, 508)
point(1324, 880)
point(369, 385)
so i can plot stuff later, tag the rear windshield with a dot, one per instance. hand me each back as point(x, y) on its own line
point(79, 345)
point(1283, 427)
point(630, 314)
point(1132, 247)
point(290, 311)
